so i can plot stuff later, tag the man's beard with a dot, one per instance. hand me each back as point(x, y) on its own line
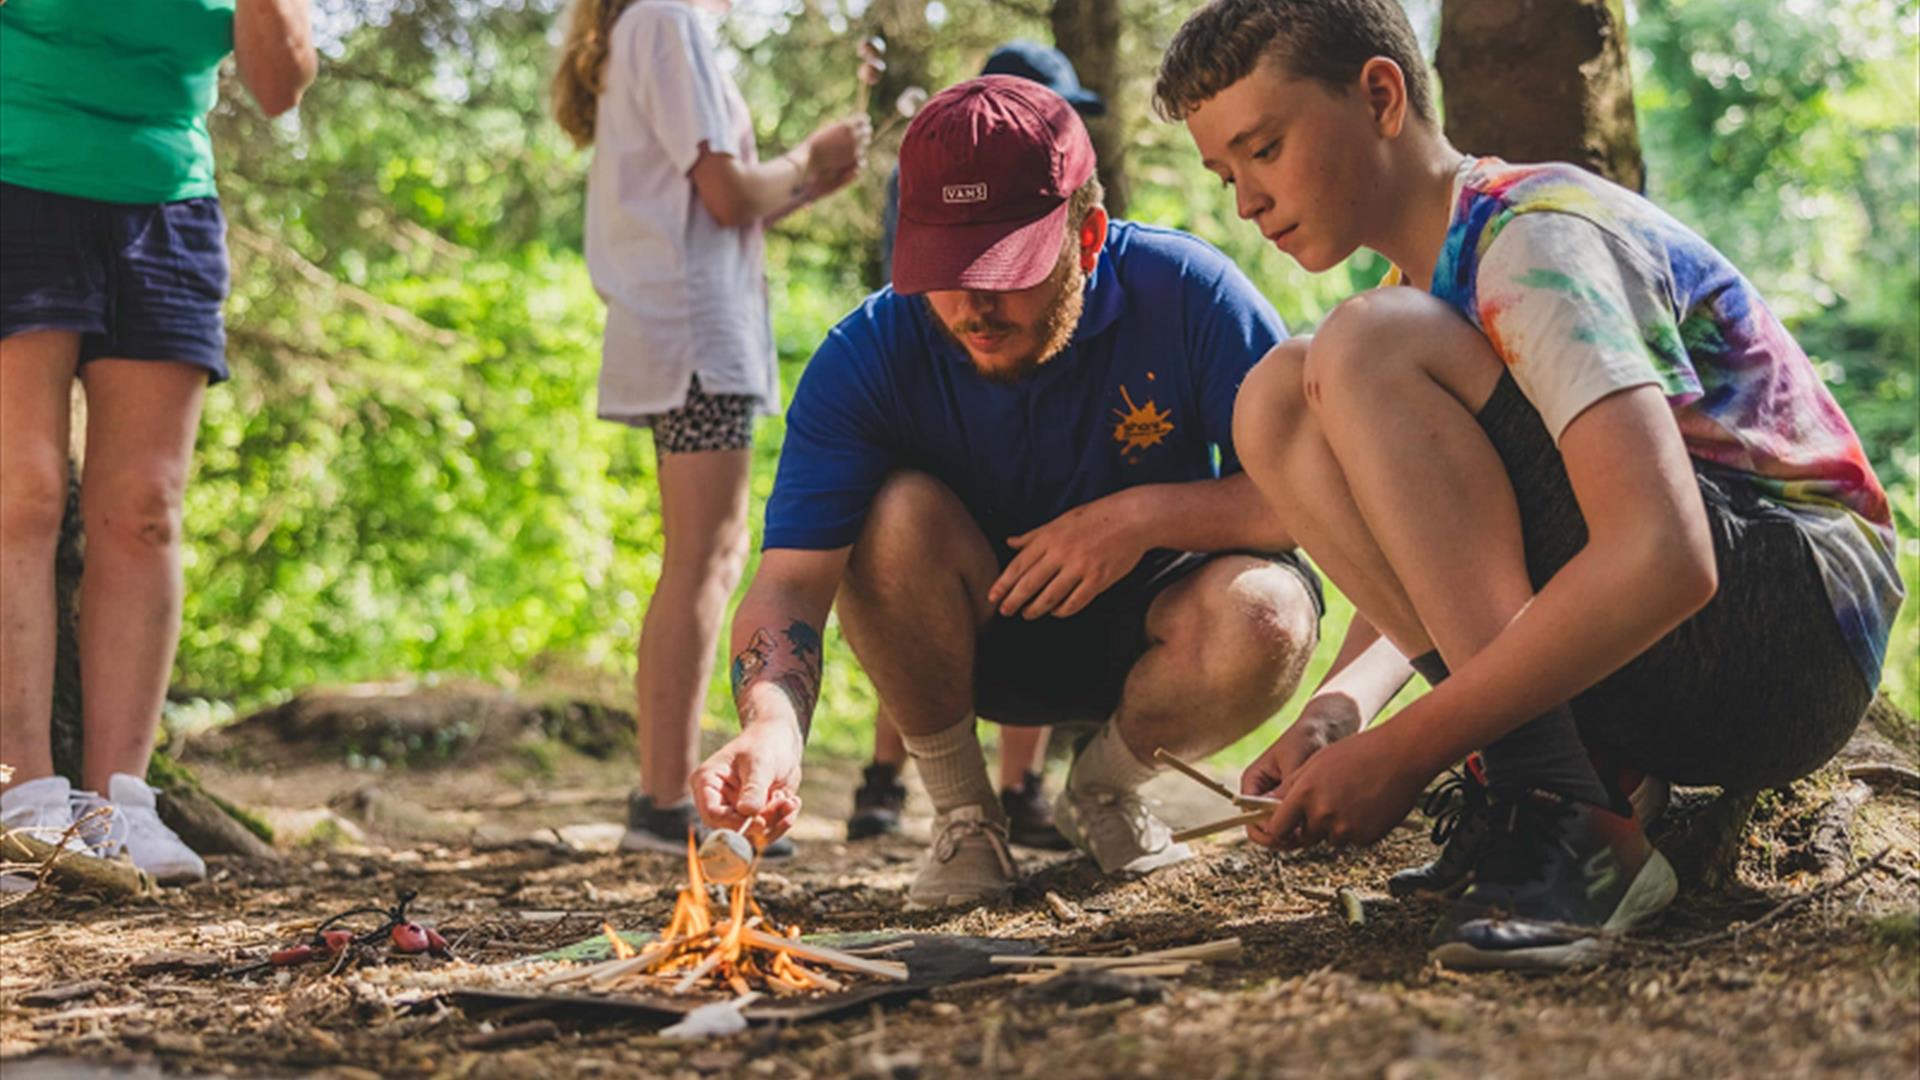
point(1056, 326)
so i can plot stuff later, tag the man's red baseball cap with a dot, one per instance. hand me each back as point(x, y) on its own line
point(986, 170)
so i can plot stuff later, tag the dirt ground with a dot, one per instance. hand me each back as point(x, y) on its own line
point(509, 844)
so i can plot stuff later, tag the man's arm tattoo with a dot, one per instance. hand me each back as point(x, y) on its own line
point(792, 665)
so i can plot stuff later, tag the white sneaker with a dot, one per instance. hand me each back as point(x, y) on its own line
point(38, 808)
point(134, 828)
point(968, 865)
point(1118, 829)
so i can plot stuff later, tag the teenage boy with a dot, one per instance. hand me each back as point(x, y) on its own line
point(1014, 470)
point(1578, 462)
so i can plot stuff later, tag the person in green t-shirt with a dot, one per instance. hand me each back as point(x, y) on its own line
point(113, 267)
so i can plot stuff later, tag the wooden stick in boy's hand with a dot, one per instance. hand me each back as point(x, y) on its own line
point(1244, 802)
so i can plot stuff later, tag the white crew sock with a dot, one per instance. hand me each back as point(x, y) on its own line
point(1108, 763)
point(954, 770)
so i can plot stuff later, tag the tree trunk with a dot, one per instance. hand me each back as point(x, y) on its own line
point(1088, 31)
point(67, 561)
point(903, 25)
point(1541, 80)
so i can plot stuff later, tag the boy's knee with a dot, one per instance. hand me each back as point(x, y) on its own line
point(1271, 407)
point(1386, 334)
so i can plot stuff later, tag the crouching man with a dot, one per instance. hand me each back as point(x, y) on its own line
point(1014, 470)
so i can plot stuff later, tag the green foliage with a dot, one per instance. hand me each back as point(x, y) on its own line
point(406, 474)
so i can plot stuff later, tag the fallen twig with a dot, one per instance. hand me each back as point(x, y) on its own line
point(1790, 904)
point(1234, 822)
point(1208, 951)
point(821, 954)
point(1884, 774)
point(70, 869)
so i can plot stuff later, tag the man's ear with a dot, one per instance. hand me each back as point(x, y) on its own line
point(1093, 237)
point(1385, 87)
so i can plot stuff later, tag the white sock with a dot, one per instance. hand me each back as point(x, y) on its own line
point(1107, 763)
point(954, 770)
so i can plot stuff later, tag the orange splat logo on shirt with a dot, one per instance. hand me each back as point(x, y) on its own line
point(1140, 426)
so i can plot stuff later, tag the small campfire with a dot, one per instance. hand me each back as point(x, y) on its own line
point(740, 949)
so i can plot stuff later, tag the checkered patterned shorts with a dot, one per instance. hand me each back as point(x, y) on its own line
point(705, 422)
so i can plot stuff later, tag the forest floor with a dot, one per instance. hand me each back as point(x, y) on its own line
point(507, 833)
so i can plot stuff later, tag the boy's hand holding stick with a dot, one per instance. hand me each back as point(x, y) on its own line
point(1253, 807)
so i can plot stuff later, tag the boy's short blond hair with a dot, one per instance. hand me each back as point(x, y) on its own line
point(1324, 40)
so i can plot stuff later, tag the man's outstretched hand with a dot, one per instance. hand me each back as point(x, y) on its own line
point(752, 784)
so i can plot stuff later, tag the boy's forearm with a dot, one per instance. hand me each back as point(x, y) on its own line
point(1227, 514)
point(1368, 670)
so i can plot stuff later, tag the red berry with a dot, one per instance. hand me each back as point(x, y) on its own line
point(337, 940)
point(435, 943)
point(294, 954)
point(410, 938)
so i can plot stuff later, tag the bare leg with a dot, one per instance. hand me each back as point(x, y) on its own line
point(1229, 643)
point(36, 384)
point(1285, 452)
point(142, 417)
point(1023, 750)
point(1430, 487)
point(703, 501)
point(887, 747)
point(914, 598)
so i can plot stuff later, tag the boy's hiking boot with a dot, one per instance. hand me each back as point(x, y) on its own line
point(663, 829)
point(1557, 880)
point(1118, 829)
point(968, 864)
point(877, 803)
point(1458, 807)
point(1030, 815)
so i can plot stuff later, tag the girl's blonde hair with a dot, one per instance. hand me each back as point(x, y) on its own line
point(577, 78)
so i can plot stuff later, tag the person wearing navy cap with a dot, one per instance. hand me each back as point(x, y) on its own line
point(881, 798)
point(1014, 470)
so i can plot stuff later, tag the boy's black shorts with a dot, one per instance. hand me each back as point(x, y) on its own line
point(1070, 671)
point(1755, 689)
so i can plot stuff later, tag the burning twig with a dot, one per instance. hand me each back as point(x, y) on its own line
point(740, 948)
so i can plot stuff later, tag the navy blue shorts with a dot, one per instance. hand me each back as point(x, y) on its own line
point(135, 281)
point(1048, 671)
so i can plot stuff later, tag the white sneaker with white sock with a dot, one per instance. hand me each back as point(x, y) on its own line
point(134, 828)
point(1102, 812)
point(38, 808)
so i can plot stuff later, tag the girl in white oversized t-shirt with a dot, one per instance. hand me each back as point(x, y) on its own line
point(676, 200)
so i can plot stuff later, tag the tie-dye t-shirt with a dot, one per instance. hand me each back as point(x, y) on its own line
point(1585, 289)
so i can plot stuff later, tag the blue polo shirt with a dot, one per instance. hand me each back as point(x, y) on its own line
point(1143, 394)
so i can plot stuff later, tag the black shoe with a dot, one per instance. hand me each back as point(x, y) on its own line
point(664, 829)
point(1458, 808)
point(878, 803)
point(1557, 878)
point(1030, 815)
